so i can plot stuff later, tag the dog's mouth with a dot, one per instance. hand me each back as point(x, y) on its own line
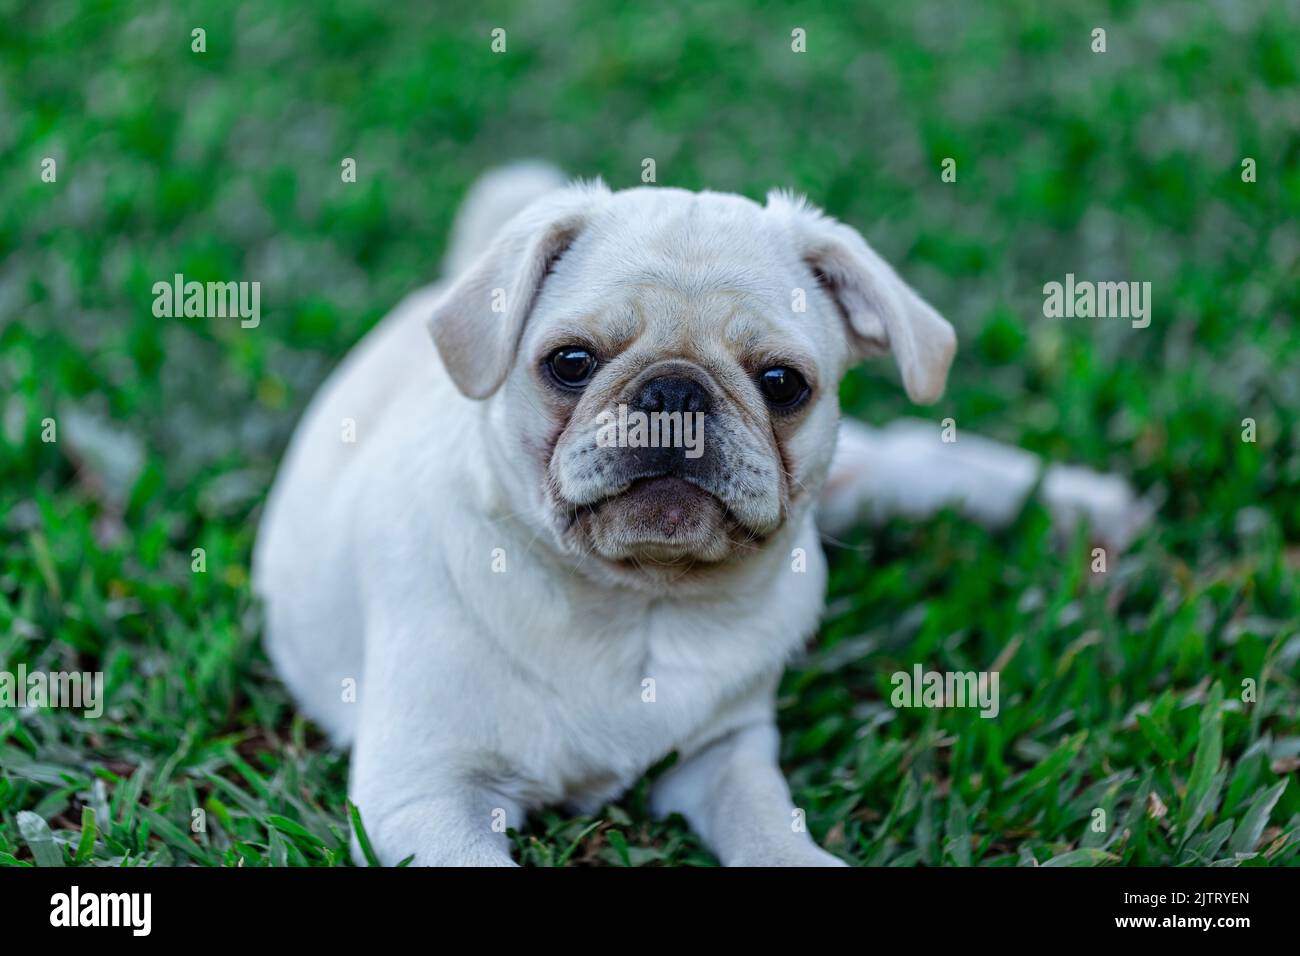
point(660, 519)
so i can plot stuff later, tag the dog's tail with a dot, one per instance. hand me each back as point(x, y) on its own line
point(495, 197)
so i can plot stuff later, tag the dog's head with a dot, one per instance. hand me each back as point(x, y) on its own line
point(663, 365)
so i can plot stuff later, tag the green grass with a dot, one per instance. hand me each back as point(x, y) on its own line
point(1120, 691)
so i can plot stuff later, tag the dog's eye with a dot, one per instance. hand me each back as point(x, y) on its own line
point(572, 366)
point(783, 387)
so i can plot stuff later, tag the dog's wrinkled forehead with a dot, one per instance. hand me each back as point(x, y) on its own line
point(702, 263)
point(690, 271)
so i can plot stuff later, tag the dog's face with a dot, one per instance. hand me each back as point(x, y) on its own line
point(663, 367)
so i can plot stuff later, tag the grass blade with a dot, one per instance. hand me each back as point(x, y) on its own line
point(39, 838)
point(362, 838)
point(1087, 856)
point(86, 845)
point(1252, 824)
point(1205, 766)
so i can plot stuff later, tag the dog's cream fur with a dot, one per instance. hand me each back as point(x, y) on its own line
point(520, 624)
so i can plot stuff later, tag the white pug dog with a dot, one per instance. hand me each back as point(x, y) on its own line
point(497, 610)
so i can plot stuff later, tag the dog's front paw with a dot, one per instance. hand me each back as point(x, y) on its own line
point(426, 839)
point(816, 856)
point(808, 854)
point(441, 856)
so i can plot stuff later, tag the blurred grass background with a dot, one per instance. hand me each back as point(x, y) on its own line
point(1120, 691)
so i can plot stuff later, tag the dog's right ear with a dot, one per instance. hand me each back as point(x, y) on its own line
point(477, 323)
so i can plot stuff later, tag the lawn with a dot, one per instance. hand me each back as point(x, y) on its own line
point(1149, 712)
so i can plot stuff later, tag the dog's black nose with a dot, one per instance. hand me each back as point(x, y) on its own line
point(672, 393)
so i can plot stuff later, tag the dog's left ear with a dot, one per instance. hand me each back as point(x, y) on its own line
point(881, 311)
point(477, 323)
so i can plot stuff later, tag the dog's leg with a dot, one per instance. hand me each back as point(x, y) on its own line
point(734, 796)
point(908, 469)
point(430, 807)
point(422, 784)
